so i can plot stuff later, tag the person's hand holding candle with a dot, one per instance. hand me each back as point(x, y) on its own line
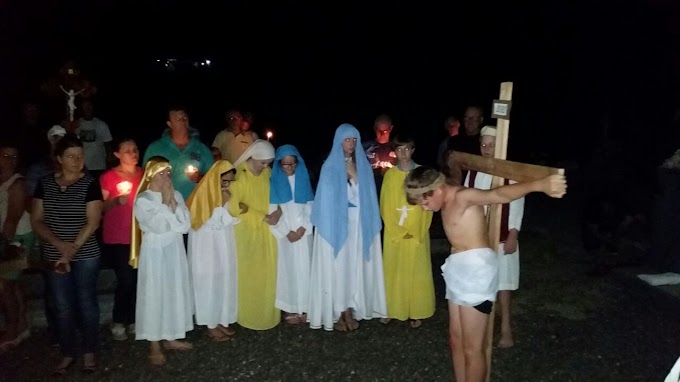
point(124, 189)
point(192, 173)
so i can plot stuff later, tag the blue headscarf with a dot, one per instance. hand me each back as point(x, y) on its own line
point(279, 192)
point(329, 214)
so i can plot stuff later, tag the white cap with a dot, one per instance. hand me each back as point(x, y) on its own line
point(56, 130)
point(488, 130)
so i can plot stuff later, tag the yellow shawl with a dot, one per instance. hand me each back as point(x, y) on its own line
point(208, 194)
point(153, 167)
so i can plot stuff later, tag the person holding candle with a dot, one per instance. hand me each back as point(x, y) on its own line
point(188, 156)
point(119, 186)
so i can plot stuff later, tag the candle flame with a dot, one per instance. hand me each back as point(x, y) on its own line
point(124, 188)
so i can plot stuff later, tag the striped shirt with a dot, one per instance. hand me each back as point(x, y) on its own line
point(65, 214)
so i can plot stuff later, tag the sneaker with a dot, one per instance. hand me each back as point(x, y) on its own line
point(118, 332)
point(131, 329)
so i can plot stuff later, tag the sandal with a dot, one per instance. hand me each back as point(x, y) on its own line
point(415, 324)
point(63, 369)
point(385, 320)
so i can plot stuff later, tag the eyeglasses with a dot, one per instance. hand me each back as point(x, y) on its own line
point(288, 164)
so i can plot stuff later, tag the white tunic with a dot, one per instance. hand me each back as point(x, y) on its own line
point(164, 298)
point(212, 261)
point(347, 280)
point(508, 268)
point(294, 260)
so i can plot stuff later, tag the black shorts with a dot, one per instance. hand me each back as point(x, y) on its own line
point(484, 307)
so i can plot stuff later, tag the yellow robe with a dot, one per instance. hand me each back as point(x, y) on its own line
point(407, 265)
point(255, 251)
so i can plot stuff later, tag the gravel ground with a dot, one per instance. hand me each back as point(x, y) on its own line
point(568, 326)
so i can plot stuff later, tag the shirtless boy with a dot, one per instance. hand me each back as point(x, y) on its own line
point(471, 271)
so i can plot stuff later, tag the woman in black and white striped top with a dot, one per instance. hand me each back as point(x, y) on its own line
point(66, 213)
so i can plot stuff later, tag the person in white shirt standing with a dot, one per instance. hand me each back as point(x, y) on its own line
point(508, 247)
point(96, 138)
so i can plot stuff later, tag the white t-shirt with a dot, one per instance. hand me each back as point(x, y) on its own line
point(94, 133)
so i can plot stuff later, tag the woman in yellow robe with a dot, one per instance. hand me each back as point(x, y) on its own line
point(255, 245)
point(409, 287)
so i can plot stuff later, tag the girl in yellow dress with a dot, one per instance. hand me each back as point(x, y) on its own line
point(256, 251)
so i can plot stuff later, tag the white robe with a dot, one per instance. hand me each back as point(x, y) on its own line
point(346, 280)
point(508, 268)
point(292, 277)
point(212, 261)
point(164, 298)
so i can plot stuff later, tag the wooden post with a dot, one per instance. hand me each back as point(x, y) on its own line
point(495, 211)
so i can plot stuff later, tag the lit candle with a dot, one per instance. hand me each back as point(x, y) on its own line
point(191, 169)
point(124, 188)
point(269, 135)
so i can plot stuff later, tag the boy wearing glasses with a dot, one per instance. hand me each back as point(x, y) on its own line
point(409, 287)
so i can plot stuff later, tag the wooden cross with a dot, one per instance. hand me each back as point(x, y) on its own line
point(501, 169)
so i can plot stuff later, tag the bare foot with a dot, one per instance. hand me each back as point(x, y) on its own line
point(340, 325)
point(415, 323)
point(352, 324)
point(291, 319)
point(157, 359)
point(226, 331)
point(177, 345)
point(385, 321)
point(217, 335)
point(506, 340)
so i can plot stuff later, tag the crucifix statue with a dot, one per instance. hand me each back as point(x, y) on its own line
point(501, 169)
point(68, 81)
point(71, 102)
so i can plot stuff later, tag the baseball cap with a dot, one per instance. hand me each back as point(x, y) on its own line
point(56, 130)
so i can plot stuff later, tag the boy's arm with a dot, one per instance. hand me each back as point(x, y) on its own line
point(554, 186)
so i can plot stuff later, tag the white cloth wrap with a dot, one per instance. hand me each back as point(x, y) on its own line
point(471, 276)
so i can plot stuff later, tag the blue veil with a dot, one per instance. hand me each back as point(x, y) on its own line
point(329, 214)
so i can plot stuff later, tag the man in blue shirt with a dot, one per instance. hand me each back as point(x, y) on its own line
point(188, 156)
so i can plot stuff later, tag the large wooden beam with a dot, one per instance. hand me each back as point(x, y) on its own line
point(516, 171)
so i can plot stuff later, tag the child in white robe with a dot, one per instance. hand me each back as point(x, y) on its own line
point(212, 252)
point(291, 191)
point(346, 279)
point(164, 300)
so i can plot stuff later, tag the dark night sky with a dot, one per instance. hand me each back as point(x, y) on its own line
point(314, 66)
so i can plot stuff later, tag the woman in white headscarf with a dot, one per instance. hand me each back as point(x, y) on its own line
point(255, 245)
